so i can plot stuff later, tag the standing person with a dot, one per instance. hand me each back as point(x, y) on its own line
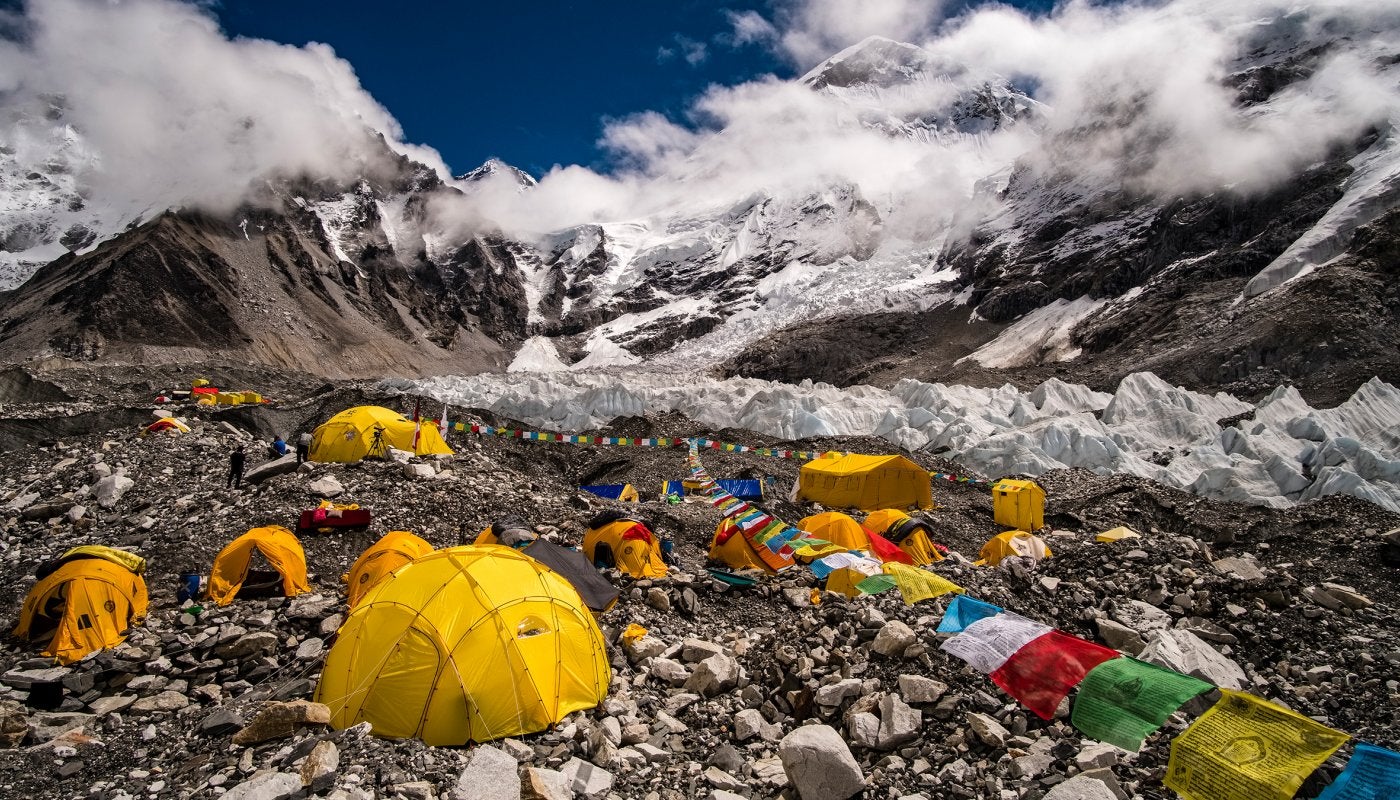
point(235, 468)
point(303, 447)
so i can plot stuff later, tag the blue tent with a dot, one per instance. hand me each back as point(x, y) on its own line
point(613, 491)
point(742, 489)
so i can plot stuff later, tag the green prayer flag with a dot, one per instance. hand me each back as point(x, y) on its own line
point(876, 584)
point(1123, 700)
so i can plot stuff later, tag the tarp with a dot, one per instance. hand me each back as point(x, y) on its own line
point(465, 644)
point(277, 545)
point(742, 488)
point(1117, 534)
point(865, 482)
point(121, 558)
point(349, 435)
point(86, 604)
point(613, 491)
point(393, 550)
point(597, 593)
point(628, 545)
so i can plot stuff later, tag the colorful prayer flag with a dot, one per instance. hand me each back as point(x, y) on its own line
point(1042, 672)
point(1124, 700)
point(988, 643)
point(1245, 748)
point(1372, 773)
point(917, 584)
point(964, 611)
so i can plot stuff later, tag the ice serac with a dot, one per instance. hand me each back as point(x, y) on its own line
point(1275, 455)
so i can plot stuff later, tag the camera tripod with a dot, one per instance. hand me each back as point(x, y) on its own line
point(377, 448)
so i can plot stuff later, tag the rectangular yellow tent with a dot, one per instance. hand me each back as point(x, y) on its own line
point(865, 482)
point(1019, 504)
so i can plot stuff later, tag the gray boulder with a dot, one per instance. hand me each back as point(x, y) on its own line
point(819, 764)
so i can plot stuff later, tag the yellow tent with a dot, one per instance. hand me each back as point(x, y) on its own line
point(914, 536)
point(349, 435)
point(88, 603)
point(277, 545)
point(1013, 543)
point(465, 644)
point(731, 547)
point(628, 545)
point(1018, 504)
point(393, 550)
point(1117, 534)
point(865, 482)
point(837, 528)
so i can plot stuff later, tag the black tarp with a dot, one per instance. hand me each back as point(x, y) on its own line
point(590, 584)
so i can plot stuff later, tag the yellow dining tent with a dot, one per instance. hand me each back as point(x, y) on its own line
point(865, 482)
point(393, 550)
point(349, 435)
point(465, 644)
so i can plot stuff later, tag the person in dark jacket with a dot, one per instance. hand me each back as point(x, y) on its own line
point(235, 467)
point(303, 447)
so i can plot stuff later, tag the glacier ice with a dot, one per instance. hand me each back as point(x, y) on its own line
point(1277, 453)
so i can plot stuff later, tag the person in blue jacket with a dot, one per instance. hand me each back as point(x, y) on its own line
point(279, 447)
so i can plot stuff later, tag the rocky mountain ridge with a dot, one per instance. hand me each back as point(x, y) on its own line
point(1054, 265)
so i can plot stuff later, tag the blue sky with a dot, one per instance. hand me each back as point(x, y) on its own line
point(530, 82)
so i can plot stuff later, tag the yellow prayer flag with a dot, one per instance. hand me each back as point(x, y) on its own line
point(1245, 748)
point(919, 584)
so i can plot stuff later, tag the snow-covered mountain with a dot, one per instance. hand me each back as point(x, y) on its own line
point(1052, 262)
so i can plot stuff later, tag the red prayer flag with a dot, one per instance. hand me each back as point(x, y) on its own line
point(1042, 672)
point(885, 550)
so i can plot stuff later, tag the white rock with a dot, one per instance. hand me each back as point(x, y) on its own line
point(325, 486)
point(1081, 787)
point(268, 786)
point(919, 689)
point(893, 639)
point(899, 724)
point(747, 724)
point(490, 775)
point(1187, 653)
point(110, 489)
point(819, 764)
point(987, 729)
point(586, 779)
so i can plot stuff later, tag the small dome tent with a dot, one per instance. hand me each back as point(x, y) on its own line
point(731, 547)
point(621, 492)
point(393, 550)
point(85, 601)
point(465, 644)
point(839, 529)
point(1013, 543)
point(865, 482)
point(913, 536)
point(350, 435)
point(625, 543)
point(277, 545)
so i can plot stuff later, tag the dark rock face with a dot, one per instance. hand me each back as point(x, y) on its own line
point(266, 290)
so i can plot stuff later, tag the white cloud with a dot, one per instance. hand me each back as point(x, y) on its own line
point(808, 31)
point(182, 114)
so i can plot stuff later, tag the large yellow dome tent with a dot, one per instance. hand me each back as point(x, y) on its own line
point(465, 644)
point(87, 602)
point(913, 536)
point(865, 482)
point(349, 435)
point(276, 544)
point(393, 550)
